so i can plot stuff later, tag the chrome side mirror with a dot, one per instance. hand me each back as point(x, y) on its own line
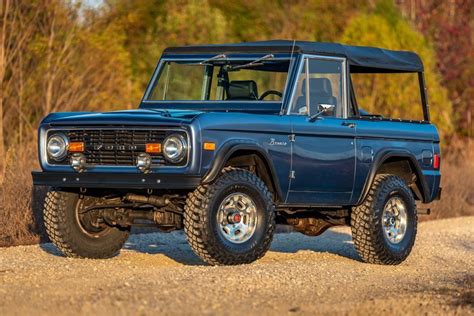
point(322, 108)
point(326, 107)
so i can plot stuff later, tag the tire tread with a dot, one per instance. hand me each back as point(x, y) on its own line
point(368, 241)
point(196, 218)
point(60, 233)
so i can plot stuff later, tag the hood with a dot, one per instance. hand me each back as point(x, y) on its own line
point(129, 117)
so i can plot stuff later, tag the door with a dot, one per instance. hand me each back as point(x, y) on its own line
point(323, 147)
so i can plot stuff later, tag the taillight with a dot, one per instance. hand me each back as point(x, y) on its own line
point(436, 161)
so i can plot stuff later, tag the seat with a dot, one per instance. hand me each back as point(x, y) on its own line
point(242, 90)
point(320, 92)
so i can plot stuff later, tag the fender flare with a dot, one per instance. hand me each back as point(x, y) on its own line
point(381, 158)
point(229, 148)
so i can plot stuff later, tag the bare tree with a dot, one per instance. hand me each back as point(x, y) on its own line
point(4, 10)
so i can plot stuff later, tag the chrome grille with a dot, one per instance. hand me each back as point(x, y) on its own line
point(118, 147)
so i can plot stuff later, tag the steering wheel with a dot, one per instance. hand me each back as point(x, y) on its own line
point(268, 92)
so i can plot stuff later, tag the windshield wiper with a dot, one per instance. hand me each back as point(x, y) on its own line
point(220, 56)
point(256, 62)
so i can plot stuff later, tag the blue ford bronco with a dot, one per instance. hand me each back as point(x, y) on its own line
point(230, 140)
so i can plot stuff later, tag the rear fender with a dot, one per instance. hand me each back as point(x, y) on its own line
point(382, 157)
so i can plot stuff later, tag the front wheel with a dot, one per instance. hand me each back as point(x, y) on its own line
point(232, 220)
point(384, 225)
point(76, 231)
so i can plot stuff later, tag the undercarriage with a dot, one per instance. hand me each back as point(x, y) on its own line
point(314, 222)
point(231, 221)
point(131, 209)
point(97, 210)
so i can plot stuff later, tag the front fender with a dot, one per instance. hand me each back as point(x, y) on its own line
point(231, 147)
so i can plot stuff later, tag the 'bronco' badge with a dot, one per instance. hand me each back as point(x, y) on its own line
point(274, 142)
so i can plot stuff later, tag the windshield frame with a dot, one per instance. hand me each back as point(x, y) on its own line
point(195, 104)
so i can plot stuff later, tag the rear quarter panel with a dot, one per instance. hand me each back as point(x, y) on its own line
point(376, 137)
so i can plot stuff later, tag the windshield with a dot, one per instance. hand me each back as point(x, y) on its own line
point(221, 79)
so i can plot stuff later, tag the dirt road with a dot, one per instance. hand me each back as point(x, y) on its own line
point(159, 274)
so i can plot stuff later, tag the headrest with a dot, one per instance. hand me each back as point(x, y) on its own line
point(320, 86)
point(242, 89)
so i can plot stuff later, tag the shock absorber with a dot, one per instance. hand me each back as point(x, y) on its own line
point(158, 201)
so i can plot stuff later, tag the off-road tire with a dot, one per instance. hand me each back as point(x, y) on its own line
point(201, 227)
point(366, 222)
point(66, 234)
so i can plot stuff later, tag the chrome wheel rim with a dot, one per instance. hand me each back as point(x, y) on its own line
point(237, 218)
point(394, 220)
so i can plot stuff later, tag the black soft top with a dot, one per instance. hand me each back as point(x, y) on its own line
point(360, 58)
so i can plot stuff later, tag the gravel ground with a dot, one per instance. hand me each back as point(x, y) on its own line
point(158, 273)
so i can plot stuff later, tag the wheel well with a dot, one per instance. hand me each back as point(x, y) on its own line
point(405, 169)
point(256, 163)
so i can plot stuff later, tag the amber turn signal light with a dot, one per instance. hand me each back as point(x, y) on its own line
point(153, 148)
point(209, 146)
point(76, 147)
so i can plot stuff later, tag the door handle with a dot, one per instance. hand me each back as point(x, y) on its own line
point(349, 124)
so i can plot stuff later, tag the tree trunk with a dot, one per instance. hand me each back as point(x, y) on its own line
point(49, 66)
point(2, 146)
point(5, 7)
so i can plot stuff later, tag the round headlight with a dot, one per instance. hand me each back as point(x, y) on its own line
point(57, 146)
point(174, 148)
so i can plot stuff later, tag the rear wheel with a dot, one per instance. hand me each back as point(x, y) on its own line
point(232, 220)
point(384, 226)
point(76, 231)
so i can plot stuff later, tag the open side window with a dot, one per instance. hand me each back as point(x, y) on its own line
point(353, 110)
point(388, 95)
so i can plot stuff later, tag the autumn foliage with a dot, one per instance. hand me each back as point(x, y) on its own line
point(61, 55)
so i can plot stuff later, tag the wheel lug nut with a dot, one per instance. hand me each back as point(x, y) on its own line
point(234, 218)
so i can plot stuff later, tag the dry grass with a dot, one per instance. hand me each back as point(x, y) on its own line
point(457, 181)
point(21, 207)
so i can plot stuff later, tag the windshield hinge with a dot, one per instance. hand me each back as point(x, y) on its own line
point(292, 137)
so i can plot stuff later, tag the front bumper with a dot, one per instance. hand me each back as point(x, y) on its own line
point(115, 180)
